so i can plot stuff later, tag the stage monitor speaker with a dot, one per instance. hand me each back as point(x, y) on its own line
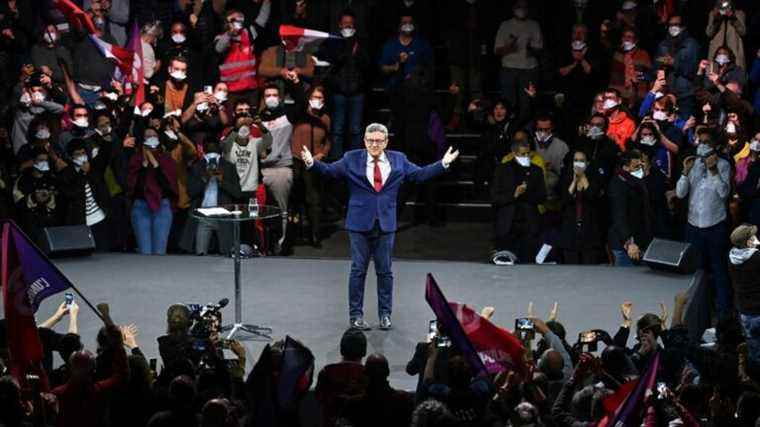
point(68, 240)
point(672, 256)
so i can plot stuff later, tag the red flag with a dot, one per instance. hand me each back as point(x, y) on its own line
point(498, 348)
point(24, 343)
point(76, 16)
point(123, 57)
point(136, 79)
point(295, 38)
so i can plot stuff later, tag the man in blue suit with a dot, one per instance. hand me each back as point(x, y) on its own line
point(374, 177)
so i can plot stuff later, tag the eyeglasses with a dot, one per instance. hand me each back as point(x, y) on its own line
point(373, 142)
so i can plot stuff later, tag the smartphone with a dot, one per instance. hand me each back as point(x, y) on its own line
point(662, 389)
point(525, 328)
point(153, 365)
point(69, 298)
point(442, 341)
point(588, 340)
point(432, 330)
point(208, 89)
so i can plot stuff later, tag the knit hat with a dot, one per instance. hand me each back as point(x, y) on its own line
point(741, 234)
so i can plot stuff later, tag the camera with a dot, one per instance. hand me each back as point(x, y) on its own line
point(440, 340)
point(525, 329)
point(69, 298)
point(588, 341)
point(204, 332)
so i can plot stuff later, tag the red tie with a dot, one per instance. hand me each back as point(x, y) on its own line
point(378, 178)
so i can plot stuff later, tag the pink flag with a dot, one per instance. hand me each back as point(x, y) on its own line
point(137, 74)
point(295, 38)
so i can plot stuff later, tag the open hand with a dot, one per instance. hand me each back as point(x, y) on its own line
point(450, 156)
point(626, 309)
point(129, 335)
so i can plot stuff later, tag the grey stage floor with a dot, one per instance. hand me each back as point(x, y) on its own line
point(306, 298)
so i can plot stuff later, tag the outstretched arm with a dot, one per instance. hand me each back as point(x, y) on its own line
point(335, 170)
point(415, 173)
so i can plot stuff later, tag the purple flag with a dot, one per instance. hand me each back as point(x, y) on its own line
point(40, 277)
point(631, 411)
point(297, 360)
point(451, 325)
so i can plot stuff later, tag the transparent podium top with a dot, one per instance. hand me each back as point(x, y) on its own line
point(235, 213)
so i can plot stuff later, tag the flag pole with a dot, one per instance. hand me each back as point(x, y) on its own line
point(57, 270)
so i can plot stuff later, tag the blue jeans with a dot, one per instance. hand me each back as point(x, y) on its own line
point(751, 326)
point(151, 228)
point(89, 97)
point(377, 245)
point(712, 244)
point(346, 109)
point(622, 259)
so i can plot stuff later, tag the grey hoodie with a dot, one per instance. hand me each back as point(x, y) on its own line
point(739, 255)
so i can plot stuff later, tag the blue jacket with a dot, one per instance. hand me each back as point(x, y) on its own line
point(365, 205)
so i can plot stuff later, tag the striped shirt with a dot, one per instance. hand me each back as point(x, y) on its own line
point(92, 211)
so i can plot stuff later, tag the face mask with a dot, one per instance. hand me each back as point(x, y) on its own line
point(100, 22)
point(237, 25)
point(648, 140)
point(580, 165)
point(609, 104)
point(178, 38)
point(103, 131)
point(42, 133)
point(638, 173)
point(211, 157)
point(111, 96)
point(146, 112)
point(244, 132)
point(272, 102)
point(754, 145)
point(347, 32)
point(595, 132)
point(50, 37)
point(151, 142)
point(38, 96)
point(80, 160)
point(722, 59)
point(703, 150)
point(316, 104)
point(520, 13)
point(674, 30)
point(170, 133)
point(178, 75)
point(754, 242)
point(543, 136)
point(99, 106)
point(628, 46)
point(658, 95)
point(407, 28)
point(629, 5)
point(42, 166)
point(81, 122)
point(202, 107)
point(26, 99)
point(95, 152)
point(523, 161)
point(220, 96)
point(730, 127)
point(578, 45)
point(660, 115)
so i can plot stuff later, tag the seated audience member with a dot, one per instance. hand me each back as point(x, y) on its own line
point(348, 378)
point(517, 190)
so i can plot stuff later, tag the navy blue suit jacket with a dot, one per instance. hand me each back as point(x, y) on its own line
point(365, 205)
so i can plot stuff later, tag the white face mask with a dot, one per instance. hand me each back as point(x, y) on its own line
point(220, 96)
point(237, 25)
point(609, 104)
point(170, 134)
point(658, 95)
point(104, 131)
point(26, 99)
point(178, 75)
point(754, 242)
point(42, 166)
point(81, 122)
point(407, 28)
point(50, 37)
point(80, 160)
point(730, 127)
point(660, 115)
point(151, 142)
point(628, 46)
point(543, 136)
point(42, 133)
point(578, 45)
point(210, 157)
point(648, 140)
point(595, 132)
point(95, 152)
point(202, 107)
point(146, 112)
point(99, 106)
point(674, 30)
point(722, 59)
point(580, 165)
point(316, 104)
point(178, 38)
point(703, 150)
point(524, 161)
point(272, 102)
point(638, 173)
point(754, 145)
point(629, 5)
point(38, 96)
point(347, 32)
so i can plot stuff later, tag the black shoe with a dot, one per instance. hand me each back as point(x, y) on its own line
point(385, 322)
point(360, 324)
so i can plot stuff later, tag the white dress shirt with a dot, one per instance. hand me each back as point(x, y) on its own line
point(385, 168)
point(707, 193)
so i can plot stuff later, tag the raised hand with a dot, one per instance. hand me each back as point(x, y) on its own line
point(626, 309)
point(129, 335)
point(554, 313)
point(450, 156)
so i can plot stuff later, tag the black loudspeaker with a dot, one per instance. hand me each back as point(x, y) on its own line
point(672, 256)
point(68, 240)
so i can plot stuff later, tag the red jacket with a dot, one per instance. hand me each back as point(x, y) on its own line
point(621, 128)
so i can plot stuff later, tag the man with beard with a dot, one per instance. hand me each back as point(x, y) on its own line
point(177, 92)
